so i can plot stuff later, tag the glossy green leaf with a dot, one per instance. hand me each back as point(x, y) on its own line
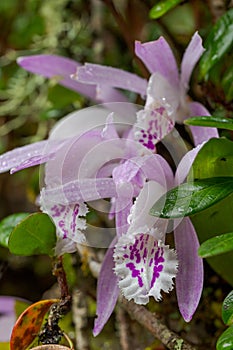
point(218, 42)
point(208, 121)
point(216, 245)
point(162, 7)
point(227, 309)
point(7, 225)
point(225, 342)
point(192, 197)
point(214, 159)
point(34, 235)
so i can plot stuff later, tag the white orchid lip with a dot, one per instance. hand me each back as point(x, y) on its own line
point(145, 267)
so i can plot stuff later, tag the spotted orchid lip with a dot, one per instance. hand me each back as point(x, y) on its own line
point(145, 267)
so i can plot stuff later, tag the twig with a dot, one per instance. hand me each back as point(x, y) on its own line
point(60, 274)
point(154, 325)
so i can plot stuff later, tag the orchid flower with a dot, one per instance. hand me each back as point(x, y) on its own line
point(166, 91)
point(143, 264)
point(78, 171)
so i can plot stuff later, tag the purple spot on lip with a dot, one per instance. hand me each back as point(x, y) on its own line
point(158, 267)
point(135, 273)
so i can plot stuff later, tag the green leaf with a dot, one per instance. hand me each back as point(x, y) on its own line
point(192, 197)
point(7, 225)
point(159, 9)
point(208, 121)
point(214, 159)
point(225, 341)
point(34, 235)
point(216, 245)
point(227, 309)
point(218, 42)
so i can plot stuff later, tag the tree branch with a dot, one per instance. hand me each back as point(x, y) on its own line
point(154, 325)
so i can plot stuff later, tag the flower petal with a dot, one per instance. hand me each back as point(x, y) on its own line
point(123, 204)
point(30, 155)
point(139, 219)
point(69, 221)
point(162, 93)
point(189, 280)
point(152, 125)
point(200, 134)
point(156, 168)
point(80, 190)
point(145, 267)
point(158, 57)
point(106, 93)
point(190, 58)
point(103, 75)
point(57, 67)
point(107, 292)
point(185, 164)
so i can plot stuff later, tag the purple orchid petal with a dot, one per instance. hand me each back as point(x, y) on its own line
point(189, 280)
point(80, 190)
point(107, 292)
point(106, 93)
point(190, 58)
point(30, 155)
point(103, 75)
point(123, 204)
point(158, 57)
point(156, 168)
point(58, 67)
point(200, 134)
point(121, 216)
point(144, 267)
point(185, 164)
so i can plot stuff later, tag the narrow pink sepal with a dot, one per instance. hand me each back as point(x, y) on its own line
point(190, 58)
point(29, 155)
point(110, 76)
point(107, 292)
point(158, 57)
point(200, 134)
point(57, 67)
point(189, 280)
point(185, 164)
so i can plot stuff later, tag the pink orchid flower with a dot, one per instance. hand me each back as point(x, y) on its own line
point(166, 96)
point(140, 264)
point(167, 101)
